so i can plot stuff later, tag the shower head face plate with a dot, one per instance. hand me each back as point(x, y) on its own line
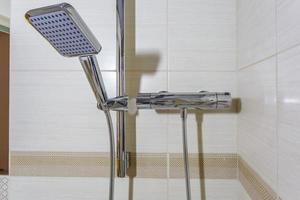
point(64, 29)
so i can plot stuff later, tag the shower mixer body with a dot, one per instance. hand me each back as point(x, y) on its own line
point(172, 101)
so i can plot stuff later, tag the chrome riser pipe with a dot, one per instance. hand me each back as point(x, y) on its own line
point(122, 161)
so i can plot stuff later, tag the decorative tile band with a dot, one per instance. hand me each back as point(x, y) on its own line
point(212, 166)
point(255, 186)
point(143, 165)
point(3, 188)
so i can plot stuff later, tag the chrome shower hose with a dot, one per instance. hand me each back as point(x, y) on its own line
point(112, 155)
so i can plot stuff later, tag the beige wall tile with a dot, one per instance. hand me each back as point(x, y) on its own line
point(257, 120)
point(288, 27)
point(288, 124)
point(256, 30)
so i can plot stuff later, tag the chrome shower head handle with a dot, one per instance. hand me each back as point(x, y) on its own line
point(93, 74)
point(64, 29)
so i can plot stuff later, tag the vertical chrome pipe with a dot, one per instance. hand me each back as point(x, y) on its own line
point(121, 136)
point(185, 153)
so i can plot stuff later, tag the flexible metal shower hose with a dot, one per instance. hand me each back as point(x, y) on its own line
point(112, 155)
point(185, 153)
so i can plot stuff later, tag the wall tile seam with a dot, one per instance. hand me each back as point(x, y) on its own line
point(257, 62)
point(278, 53)
point(168, 88)
point(237, 81)
point(79, 70)
point(276, 96)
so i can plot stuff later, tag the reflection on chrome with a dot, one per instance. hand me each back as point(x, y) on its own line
point(169, 101)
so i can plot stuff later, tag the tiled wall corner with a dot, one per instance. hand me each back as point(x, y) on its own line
point(257, 140)
point(272, 119)
point(254, 183)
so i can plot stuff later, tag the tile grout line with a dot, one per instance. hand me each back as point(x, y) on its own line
point(237, 88)
point(278, 52)
point(56, 70)
point(168, 88)
point(276, 88)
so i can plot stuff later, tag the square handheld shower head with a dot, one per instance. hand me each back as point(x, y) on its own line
point(62, 26)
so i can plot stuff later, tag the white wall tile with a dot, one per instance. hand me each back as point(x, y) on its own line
point(288, 124)
point(256, 30)
point(208, 190)
point(49, 188)
point(199, 32)
point(150, 12)
point(257, 121)
point(150, 189)
point(288, 26)
point(218, 129)
point(56, 111)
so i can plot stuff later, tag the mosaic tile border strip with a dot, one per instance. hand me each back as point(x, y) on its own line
point(143, 165)
point(212, 166)
point(255, 186)
point(3, 188)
